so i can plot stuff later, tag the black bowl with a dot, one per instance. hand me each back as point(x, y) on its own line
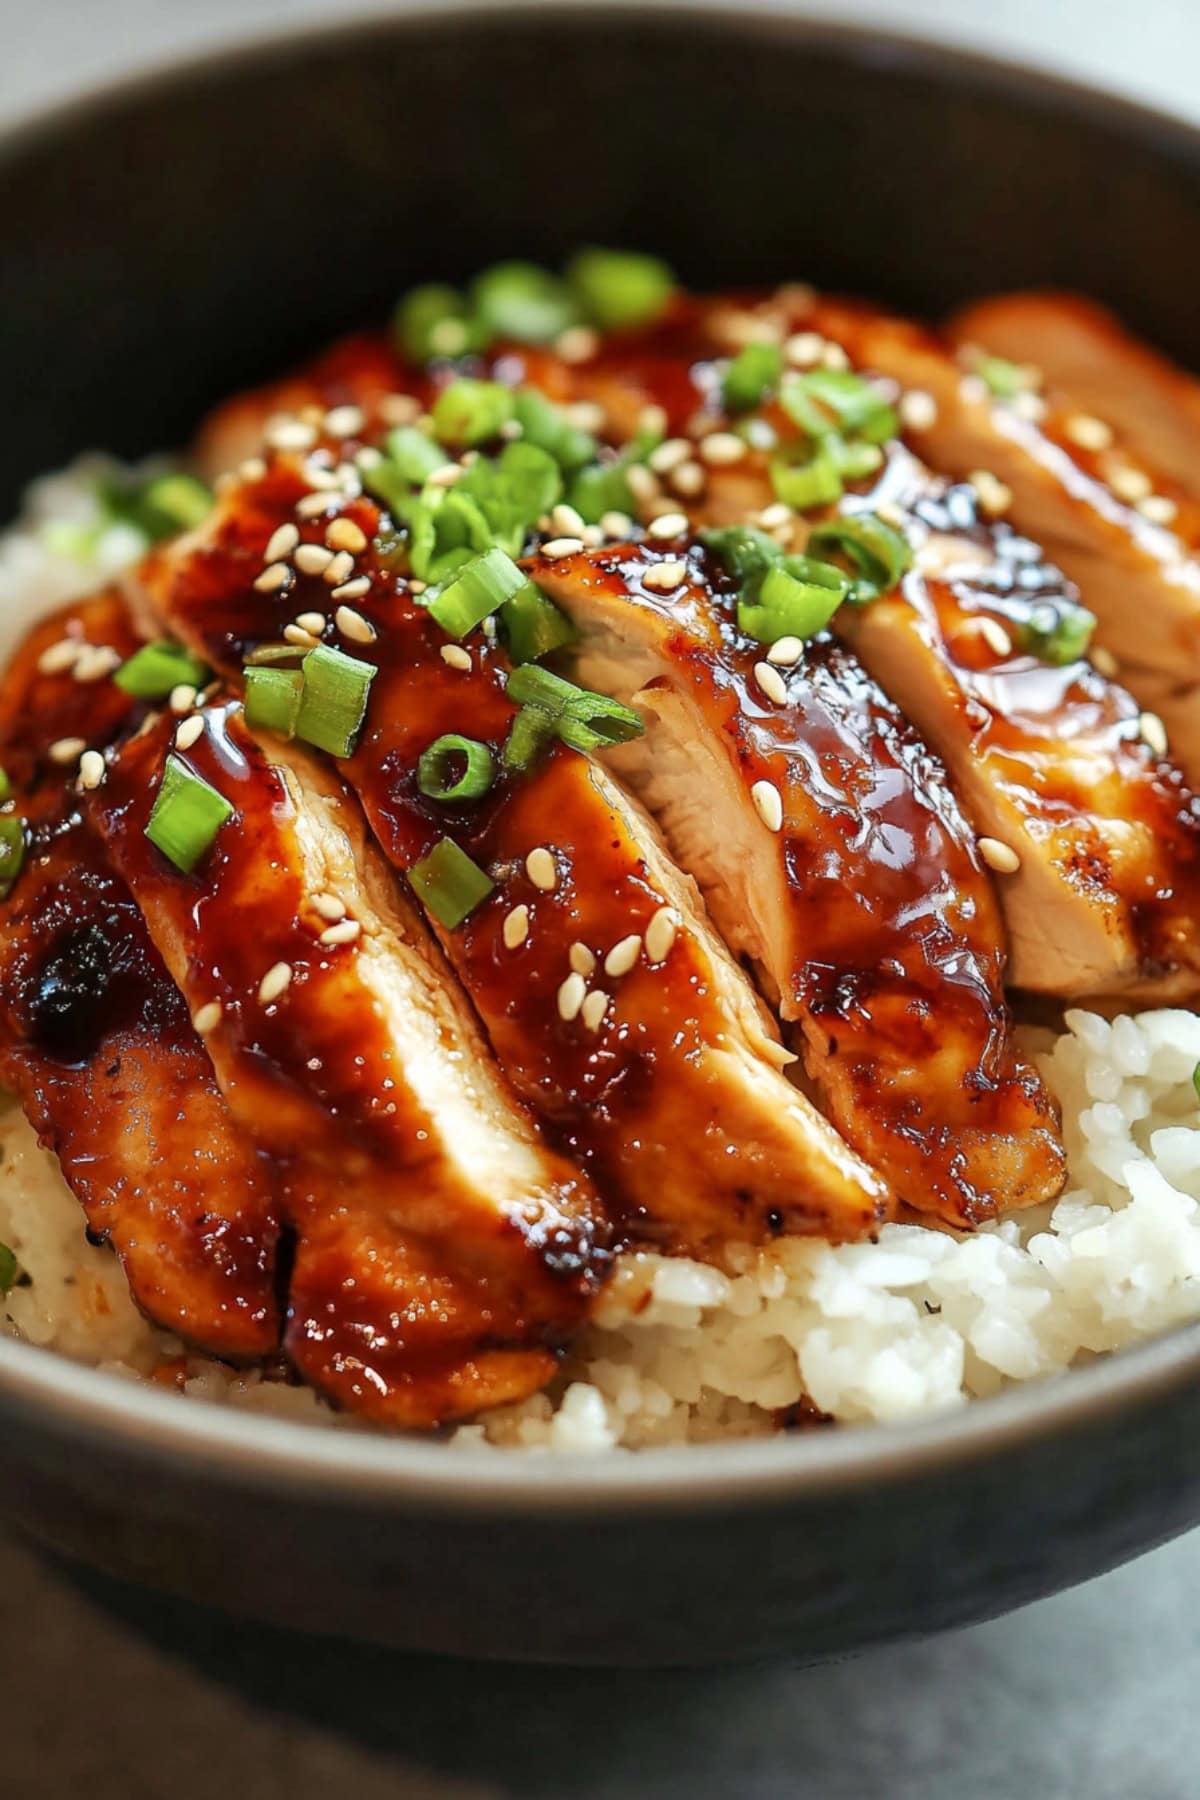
point(172, 239)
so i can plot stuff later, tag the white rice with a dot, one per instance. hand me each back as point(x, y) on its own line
point(917, 1323)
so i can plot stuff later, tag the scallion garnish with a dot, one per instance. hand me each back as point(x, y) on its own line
point(333, 699)
point(12, 851)
point(585, 720)
point(532, 626)
point(519, 300)
point(448, 884)
point(546, 425)
point(744, 552)
point(1057, 631)
point(1196, 1080)
point(158, 507)
point(187, 815)
point(156, 670)
point(8, 1270)
point(852, 404)
point(620, 289)
point(455, 768)
point(5, 785)
point(435, 320)
point(602, 488)
point(789, 604)
point(267, 656)
point(413, 453)
point(874, 551)
point(470, 412)
point(476, 591)
point(273, 699)
point(852, 459)
point(531, 732)
point(812, 479)
point(1004, 380)
point(751, 376)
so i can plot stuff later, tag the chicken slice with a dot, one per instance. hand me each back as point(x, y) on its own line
point(443, 1253)
point(835, 859)
point(95, 1038)
point(612, 1005)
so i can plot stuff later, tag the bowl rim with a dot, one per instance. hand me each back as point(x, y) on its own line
point(204, 1442)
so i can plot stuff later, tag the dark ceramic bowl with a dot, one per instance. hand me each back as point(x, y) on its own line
point(168, 241)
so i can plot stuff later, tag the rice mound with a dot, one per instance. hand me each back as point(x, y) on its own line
point(681, 1351)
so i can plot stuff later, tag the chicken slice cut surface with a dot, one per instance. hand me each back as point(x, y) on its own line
point(836, 860)
point(613, 1006)
point(95, 1038)
point(443, 1253)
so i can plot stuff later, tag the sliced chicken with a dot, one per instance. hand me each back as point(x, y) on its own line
point(612, 1005)
point(835, 860)
point(443, 1252)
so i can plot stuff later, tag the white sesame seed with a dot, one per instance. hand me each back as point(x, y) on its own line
point(1088, 432)
point(771, 682)
point(1130, 485)
point(643, 483)
point(565, 520)
point(1028, 406)
point(542, 869)
point(667, 525)
point(669, 455)
point(329, 907)
point(312, 414)
point(310, 506)
point(56, 659)
point(660, 934)
point(290, 434)
point(398, 409)
point(585, 415)
point(786, 651)
point(652, 421)
point(720, 448)
point(368, 457)
point(577, 343)
point(345, 421)
point(994, 497)
point(918, 410)
point(516, 927)
point(1154, 733)
point(274, 982)
point(206, 1018)
point(1105, 661)
point(768, 803)
point(562, 546)
point(182, 698)
point(296, 634)
point(188, 733)
point(340, 569)
point(571, 996)
point(312, 622)
point(313, 559)
point(273, 578)
point(95, 661)
point(994, 636)
point(281, 543)
point(773, 516)
point(344, 932)
point(665, 577)
point(67, 750)
point(446, 475)
point(593, 1010)
point(834, 357)
point(253, 468)
point(319, 475)
point(581, 959)
point(344, 534)
point(456, 656)
point(92, 769)
point(688, 479)
point(616, 525)
point(351, 624)
point(354, 590)
point(804, 349)
point(593, 537)
point(1158, 509)
point(623, 955)
point(1001, 857)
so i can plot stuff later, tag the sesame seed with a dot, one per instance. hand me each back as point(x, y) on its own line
point(398, 409)
point(1028, 406)
point(329, 907)
point(67, 750)
point(994, 497)
point(688, 479)
point(456, 657)
point(669, 455)
point(623, 955)
point(616, 525)
point(516, 927)
point(1088, 432)
point(643, 483)
point(768, 803)
point(918, 410)
point(974, 390)
point(189, 732)
point(1001, 857)
point(313, 559)
point(566, 521)
point(593, 1010)
point(585, 415)
point(652, 421)
point(1130, 485)
point(660, 934)
point(253, 468)
point(296, 634)
point(206, 1018)
point(772, 517)
point(310, 506)
point(312, 414)
point(351, 624)
point(344, 932)
point(542, 869)
point(581, 959)
point(834, 357)
point(344, 534)
point(771, 683)
point(290, 434)
point(593, 537)
point(804, 349)
point(1158, 509)
point(446, 475)
point(182, 698)
point(667, 525)
point(312, 622)
point(354, 590)
point(345, 421)
point(1105, 661)
point(273, 578)
point(1154, 732)
point(571, 996)
point(58, 658)
point(274, 982)
point(994, 636)
point(577, 343)
point(340, 569)
point(92, 769)
point(95, 661)
point(665, 577)
point(562, 546)
point(281, 543)
point(786, 651)
point(320, 476)
point(720, 448)
point(368, 457)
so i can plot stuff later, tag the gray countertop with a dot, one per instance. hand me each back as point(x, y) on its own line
point(113, 1695)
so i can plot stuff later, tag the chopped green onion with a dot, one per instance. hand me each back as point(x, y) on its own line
point(874, 550)
point(1004, 380)
point(531, 732)
point(853, 460)
point(449, 884)
point(469, 411)
point(532, 626)
point(5, 785)
point(745, 553)
point(187, 815)
point(413, 453)
point(752, 374)
point(476, 591)
point(273, 699)
point(533, 686)
point(156, 669)
point(525, 484)
point(1196, 1079)
point(1057, 631)
point(8, 1270)
point(12, 851)
point(435, 321)
point(619, 289)
point(449, 528)
point(602, 488)
point(814, 481)
point(854, 403)
point(180, 501)
point(333, 701)
point(789, 605)
point(583, 719)
point(546, 425)
point(267, 656)
point(519, 300)
point(435, 770)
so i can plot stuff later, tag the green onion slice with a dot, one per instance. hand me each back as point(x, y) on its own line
point(455, 768)
point(187, 815)
point(620, 289)
point(1004, 380)
point(470, 412)
point(547, 426)
point(268, 656)
point(790, 604)
point(519, 300)
point(1196, 1080)
point(1057, 631)
point(532, 626)
point(333, 700)
point(435, 320)
point(600, 489)
point(872, 549)
point(413, 453)
point(585, 720)
point(273, 698)
point(744, 552)
point(156, 670)
point(448, 884)
point(5, 785)
point(815, 480)
point(8, 1270)
point(476, 591)
point(12, 851)
point(531, 732)
point(751, 376)
point(853, 404)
